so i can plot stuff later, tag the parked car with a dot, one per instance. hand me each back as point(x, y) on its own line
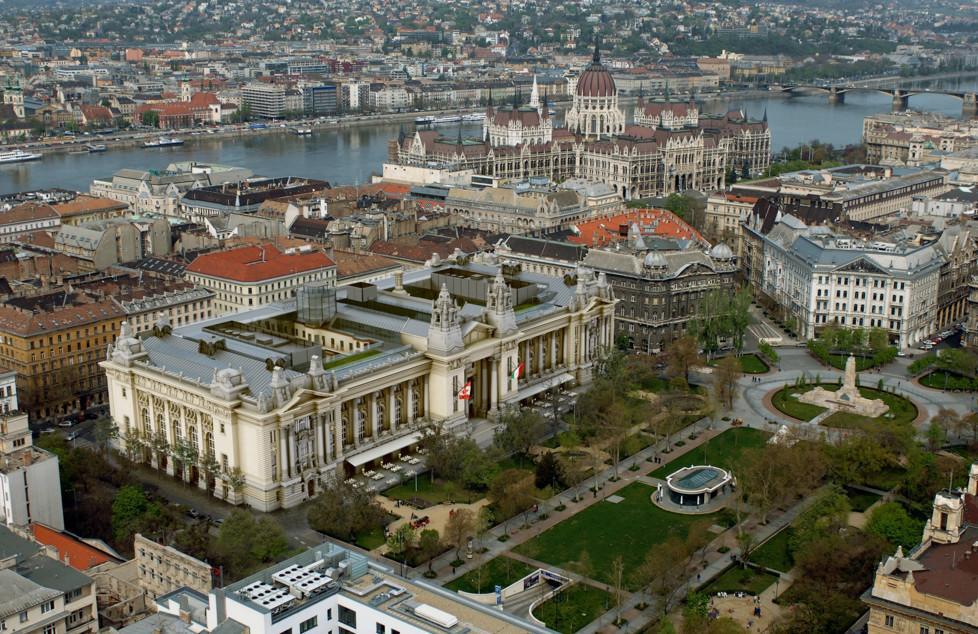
point(68, 422)
point(48, 430)
point(73, 435)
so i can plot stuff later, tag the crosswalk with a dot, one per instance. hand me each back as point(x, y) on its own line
point(766, 332)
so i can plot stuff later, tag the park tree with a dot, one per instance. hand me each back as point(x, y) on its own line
point(936, 435)
point(344, 511)
point(520, 429)
point(459, 528)
point(890, 521)
point(511, 492)
point(681, 356)
point(968, 424)
point(128, 508)
point(663, 572)
point(429, 545)
point(244, 544)
point(549, 471)
point(947, 420)
point(399, 541)
point(151, 118)
point(725, 377)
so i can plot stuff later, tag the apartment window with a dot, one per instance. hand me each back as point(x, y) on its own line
point(307, 625)
point(381, 629)
point(23, 617)
point(348, 616)
point(888, 620)
point(50, 629)
point(924, 629)
point(47, 606)
point(288, 631)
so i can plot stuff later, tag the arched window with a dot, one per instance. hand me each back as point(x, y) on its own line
point(147, 426)
point(396, 414)
point(209, 445)
point(192, 437)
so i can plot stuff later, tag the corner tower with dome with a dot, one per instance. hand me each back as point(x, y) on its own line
point(595, 111)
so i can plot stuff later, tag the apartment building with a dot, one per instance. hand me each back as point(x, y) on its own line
point(725, 211)
point(20, 221)
point(251, 276)
point(265, 100)
point(817, 277)
point(164, 569)
point(41, 595)
point(54, 342)
point(30, 487)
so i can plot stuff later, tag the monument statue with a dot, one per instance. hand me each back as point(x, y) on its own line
point(847, 398)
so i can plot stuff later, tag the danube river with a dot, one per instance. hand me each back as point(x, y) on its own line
point(351, 155)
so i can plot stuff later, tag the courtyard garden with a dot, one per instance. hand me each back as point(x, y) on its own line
point(575, 607)
point(587, 542)
point(724, 451)
point(901, 410)
point(501, 571)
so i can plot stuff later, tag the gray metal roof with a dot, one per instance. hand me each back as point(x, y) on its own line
point(18, 593)
point(180, 355)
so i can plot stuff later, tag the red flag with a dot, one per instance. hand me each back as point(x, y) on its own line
point(466, 392)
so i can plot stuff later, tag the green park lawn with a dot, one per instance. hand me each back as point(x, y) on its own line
point(724, 451)
point(749, 364)
point(371, 539)
point(944, 380)
point(901, 411)
point(437, 492)
point(605, 531)
point(775, 553)
point(784, 400)
point(574, 608)
point(737, 579)
point(500, 571)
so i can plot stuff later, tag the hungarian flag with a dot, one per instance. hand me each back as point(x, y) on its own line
point(517, 373)
point(466, 392)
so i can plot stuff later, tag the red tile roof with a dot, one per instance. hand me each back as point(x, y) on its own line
point(257, 263)
point(653, 222)
point(71, 550)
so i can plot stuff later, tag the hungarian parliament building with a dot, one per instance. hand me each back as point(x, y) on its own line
point(671, 147)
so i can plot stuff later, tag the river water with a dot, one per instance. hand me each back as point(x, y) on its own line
point(351, 155)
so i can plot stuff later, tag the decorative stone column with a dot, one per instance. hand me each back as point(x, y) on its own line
point(410, 402)
point(283, 456)
point(493, 384)
point(391, 399)
point(338, 431)
point(374, 418)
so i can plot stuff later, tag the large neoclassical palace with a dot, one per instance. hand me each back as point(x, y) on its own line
point(670, 148)
point(262, 406)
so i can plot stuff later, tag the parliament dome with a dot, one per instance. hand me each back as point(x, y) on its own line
point(596, 81)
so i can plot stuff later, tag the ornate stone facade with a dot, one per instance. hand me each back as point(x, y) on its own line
point(219, 410)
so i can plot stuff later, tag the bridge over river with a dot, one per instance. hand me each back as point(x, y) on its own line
point(901, 95)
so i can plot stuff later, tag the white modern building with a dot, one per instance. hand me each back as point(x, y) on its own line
point(264, 406)
point(30, 484)
point(328, 590)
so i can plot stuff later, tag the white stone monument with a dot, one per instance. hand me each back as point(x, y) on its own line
point(847, 398)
